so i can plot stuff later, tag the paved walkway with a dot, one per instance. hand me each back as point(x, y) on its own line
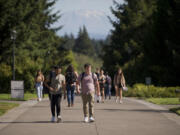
point(133, 117)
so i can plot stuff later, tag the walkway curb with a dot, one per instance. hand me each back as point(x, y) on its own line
point(171, 116)
point(14, 113)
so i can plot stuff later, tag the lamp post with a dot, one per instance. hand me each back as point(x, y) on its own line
point(13, 37)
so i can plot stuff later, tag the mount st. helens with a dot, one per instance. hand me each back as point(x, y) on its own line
point(96, 22)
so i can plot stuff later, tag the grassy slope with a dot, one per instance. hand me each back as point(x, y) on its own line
point(164, 101)
point(27, 96)
point(167, 101)
point(176, 110)
point(4, 107)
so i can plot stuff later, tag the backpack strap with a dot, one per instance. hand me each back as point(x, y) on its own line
point(50, 77)
point(83, 74)
point(93, 77)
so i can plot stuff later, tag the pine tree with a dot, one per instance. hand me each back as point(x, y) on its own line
point(164, 63)
point(141, 43)
point(37, 45)
point(68, 41)
point(83, 43)
point(127, 38)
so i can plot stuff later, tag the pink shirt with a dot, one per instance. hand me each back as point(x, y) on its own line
point(88, 82)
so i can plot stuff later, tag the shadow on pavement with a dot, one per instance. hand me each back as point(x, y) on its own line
point(40, 106)
point(19, 122)
point(39, 122)
point(72, 108)
point(72, 122)
point(136, 110)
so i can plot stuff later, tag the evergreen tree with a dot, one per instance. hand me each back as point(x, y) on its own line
point(36, 42)
point(141, 43)
point(83, 43)
point(127, 38)
point(68, 41)
point(163, 64)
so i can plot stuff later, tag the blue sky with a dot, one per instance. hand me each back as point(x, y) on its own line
point(91, 13)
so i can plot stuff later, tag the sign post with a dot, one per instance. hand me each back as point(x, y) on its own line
point(17, 89)
point(148, 80)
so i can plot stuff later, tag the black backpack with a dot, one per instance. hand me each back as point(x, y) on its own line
point(97, 76)
point(46, 89)
point(70, 77)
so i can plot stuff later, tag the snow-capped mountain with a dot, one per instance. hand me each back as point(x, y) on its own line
point(96, 22)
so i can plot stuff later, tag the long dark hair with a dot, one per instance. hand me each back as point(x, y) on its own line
point(70, 68)
point(117, 73)
point(37, 73)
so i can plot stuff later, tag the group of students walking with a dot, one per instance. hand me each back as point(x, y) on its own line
point(90, 85)
point(105, 83)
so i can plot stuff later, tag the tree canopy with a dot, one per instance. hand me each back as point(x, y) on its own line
point(36, 44)
point(144, 41)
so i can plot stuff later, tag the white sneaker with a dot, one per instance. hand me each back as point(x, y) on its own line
point(120, 101)
point(59, 119)
point(40, 99)
point(91, 119)
point(86, 119)
point(116, 100)
point(53, 119)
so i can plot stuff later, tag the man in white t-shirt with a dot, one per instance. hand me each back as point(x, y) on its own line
point(57, 83)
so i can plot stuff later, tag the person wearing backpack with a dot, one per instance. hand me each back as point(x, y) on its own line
point(51, 74)
point(71, 78)
point(57, 84)
point(108, 86)
point(97, 72)
point(89, 82)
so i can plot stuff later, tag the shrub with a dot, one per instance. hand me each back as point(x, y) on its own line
point(144, 91)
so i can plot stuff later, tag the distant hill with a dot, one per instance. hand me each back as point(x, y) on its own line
point(96, 22)
point(83, 59)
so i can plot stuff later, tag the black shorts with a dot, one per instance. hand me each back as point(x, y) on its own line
point(119, 86)
point(102, 86)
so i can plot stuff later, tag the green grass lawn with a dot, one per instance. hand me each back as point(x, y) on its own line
point(27, 96)
point(176, 110)
point(164, 101)
point(4, 107)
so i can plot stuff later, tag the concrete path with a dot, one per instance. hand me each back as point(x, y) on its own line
point(133, 117)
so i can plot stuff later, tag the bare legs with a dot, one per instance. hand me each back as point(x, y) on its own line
point(102, 93)
point(118, 94)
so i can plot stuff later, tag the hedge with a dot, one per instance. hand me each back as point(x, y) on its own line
point(144, 91)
